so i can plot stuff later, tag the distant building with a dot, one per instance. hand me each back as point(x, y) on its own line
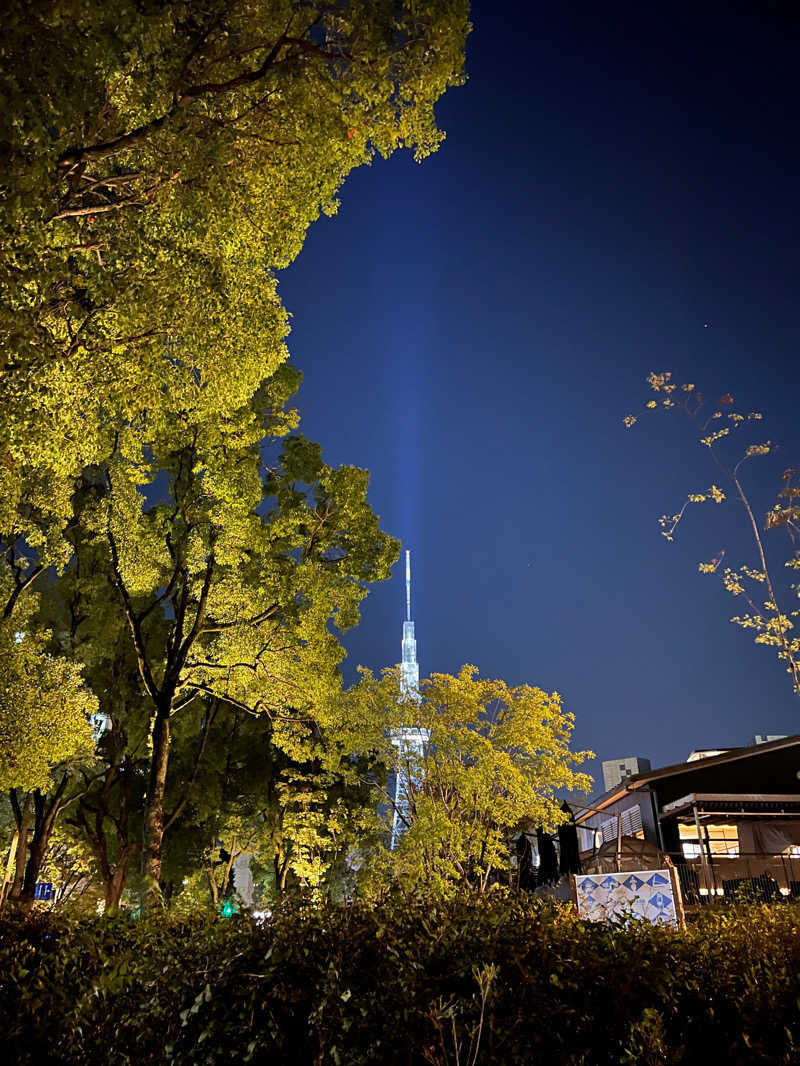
point(616, 770)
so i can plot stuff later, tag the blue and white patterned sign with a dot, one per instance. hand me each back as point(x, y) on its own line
point(646, 894)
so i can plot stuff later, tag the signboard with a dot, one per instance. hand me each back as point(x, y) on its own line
point(651, 895)
point(43, 890)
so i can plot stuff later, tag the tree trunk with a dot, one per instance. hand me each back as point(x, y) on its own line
point(44, 823)
point(212, 884)
point(115, 883)
point(233, 854)
point(154, 811)
point(21, 857)
point(41, 838)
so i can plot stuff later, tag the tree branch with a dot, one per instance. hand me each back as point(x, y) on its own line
point(218, 627)
point(20, 583)
point(73, 158)
point(195, 631)
point(133, 621)
point(193, 777)
point(12, 795)
point(101, 209)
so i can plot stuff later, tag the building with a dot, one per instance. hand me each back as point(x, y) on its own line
point(724, 817)
point(616, 770)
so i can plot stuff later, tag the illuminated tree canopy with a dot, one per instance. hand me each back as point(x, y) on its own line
point(163, 160)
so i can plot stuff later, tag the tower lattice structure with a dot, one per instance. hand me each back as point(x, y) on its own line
point(410, 740)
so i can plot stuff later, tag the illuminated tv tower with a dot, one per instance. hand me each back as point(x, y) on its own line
point(410, 740)
point(409, 667)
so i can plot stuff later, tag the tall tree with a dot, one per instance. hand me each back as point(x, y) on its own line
point(230, 582)
point(82, 607)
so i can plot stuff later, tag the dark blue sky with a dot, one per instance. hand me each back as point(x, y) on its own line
point(617, 194)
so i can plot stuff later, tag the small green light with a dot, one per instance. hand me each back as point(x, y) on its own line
point(228, 909)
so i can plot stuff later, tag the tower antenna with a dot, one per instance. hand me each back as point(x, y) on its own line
point(408, 585)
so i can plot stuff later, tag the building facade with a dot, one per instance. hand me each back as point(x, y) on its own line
point(724, 817)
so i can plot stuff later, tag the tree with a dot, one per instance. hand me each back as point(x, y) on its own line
point(209, 599)
point(70, 867)
point(324, 807)
point(495, 758)
point(162, 161)
point(760, 586)
point(284, 793)
point(44, 732)
point(230, 584)
point(80, 605)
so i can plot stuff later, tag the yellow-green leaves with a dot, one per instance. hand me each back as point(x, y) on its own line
point(163, 162)
point(44, 709)
point(496, 757)
point(771, 622)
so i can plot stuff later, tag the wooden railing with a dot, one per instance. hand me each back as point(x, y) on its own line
point(764, 878)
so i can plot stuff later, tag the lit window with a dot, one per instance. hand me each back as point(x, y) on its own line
point(723, 841)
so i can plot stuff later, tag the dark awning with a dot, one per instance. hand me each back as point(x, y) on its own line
point(726, 804)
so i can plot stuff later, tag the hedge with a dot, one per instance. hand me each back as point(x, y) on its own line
point(474, 980)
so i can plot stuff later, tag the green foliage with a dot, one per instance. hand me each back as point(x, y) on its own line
point(44, 707)
point(495, 759)
point(296, 814)
point(162, 160)
point(71, 868)
point(405, 983)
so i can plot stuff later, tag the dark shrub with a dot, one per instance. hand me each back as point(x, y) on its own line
point(402, 983)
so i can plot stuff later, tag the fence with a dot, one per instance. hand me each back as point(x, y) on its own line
point(766, 878)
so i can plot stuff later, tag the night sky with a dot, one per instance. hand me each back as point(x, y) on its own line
point(617, 194)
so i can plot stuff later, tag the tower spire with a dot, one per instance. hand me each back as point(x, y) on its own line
point(408, 585)
point(409, 667)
